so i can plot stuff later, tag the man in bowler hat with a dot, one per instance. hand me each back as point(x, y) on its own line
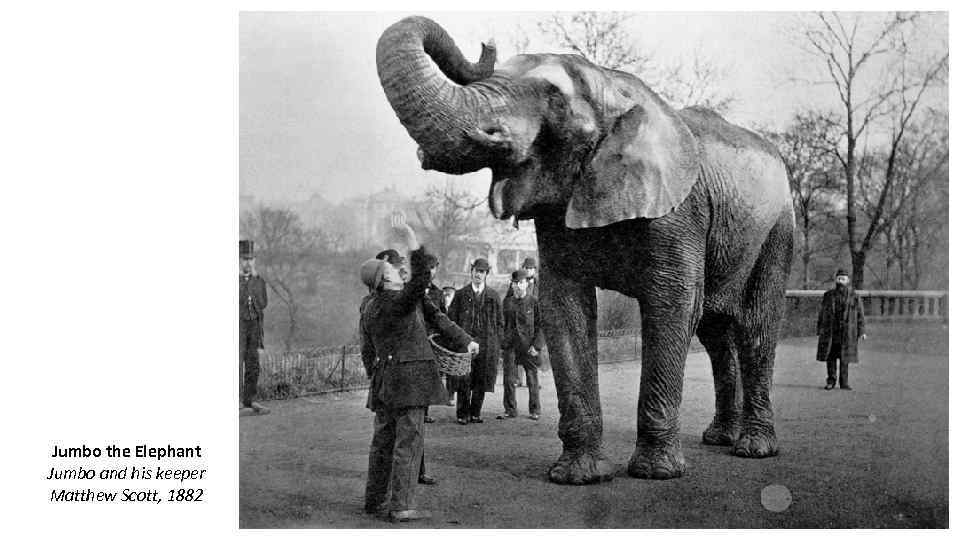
point(522, 341)
point(253, 302)
point(476, 309)
point(839, 329)
point(528, 271)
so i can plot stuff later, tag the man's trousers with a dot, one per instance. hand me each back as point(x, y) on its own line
point(469, 398)
point(832, 358)
point(395, 455)
point(250, 356)
point(510, 372)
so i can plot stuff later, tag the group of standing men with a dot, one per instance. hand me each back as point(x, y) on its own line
point(510, 329)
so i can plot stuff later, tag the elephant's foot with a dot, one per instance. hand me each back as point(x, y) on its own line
point(721, 434)
point(658, 462)
point(756, 443)
point(578, 468)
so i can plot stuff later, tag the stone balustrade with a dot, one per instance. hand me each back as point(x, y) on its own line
point(882, 305)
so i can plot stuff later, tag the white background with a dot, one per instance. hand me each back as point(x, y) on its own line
point(119, 228)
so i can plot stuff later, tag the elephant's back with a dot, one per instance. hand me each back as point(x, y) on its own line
point(708, 126)
point(743, 171)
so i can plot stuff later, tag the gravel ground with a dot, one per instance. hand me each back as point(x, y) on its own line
point(875, 457)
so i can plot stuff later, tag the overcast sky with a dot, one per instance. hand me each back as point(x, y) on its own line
point(313, 118)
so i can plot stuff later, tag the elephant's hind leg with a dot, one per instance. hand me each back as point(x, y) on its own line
point(757, 340)
point(757, 438)
point(716, 333)
point(570, 322)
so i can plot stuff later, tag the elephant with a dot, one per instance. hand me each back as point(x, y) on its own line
point(679, 209)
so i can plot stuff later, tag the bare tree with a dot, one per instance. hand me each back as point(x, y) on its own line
point(519, 41)
point(696, 81)
point(445, 211)
point(604, 39)
point(285, 252)
point(808, 147)
point(916, 202)
point(598, 36)
point(879, 84)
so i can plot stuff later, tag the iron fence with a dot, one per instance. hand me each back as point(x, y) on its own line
point(310, 371)
point(321, 370)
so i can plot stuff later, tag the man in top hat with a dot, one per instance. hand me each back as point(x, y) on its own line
point(522, 341)
point(253, 302)
point(476, 309)
point(839, 329)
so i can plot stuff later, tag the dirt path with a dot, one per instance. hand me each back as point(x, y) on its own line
point(875, 457)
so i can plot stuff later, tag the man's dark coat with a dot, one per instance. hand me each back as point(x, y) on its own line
point(253, 302)
point(835, 305)
point(522, 326)
point(435, 295)
point(395, 349)
point(482, 318)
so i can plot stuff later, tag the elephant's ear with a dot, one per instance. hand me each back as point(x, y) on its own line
point(643, 168)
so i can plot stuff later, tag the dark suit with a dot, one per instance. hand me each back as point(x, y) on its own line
point(522, 330)
point(482, 317)
point(404, 380)
point(253, 302)
point(534, 291)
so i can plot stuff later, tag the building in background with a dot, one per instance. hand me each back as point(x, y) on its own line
point(500, 243)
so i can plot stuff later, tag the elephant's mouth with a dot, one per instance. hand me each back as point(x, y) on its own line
point(501, 206)
point(509, 193)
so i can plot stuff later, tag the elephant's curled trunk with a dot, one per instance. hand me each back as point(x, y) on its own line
point(425, 78)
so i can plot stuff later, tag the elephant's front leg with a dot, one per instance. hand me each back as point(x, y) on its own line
point(570, 322)
point(669, 317)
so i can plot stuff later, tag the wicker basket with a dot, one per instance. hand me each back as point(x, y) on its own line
point(451, 363)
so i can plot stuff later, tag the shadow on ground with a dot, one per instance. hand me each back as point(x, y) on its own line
point(872, 458)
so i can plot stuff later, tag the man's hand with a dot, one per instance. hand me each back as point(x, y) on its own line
point(473, 348)
point(399, 223)
point(533, 351)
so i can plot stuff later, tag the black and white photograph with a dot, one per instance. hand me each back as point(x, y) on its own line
point(593, 269)
point(504, 268)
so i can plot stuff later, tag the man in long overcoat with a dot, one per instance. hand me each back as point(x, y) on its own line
point(476, 308)
point(839, 329)
point(404, 377)
point(253, 302)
